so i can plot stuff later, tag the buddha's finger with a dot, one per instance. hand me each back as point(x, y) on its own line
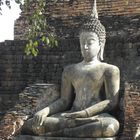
point(34, 120)
point(63, 114)
point(72, 116)
point(67, 115)
point(75, 115)
point(37, 120)
point(41, 121)
point(95, 120)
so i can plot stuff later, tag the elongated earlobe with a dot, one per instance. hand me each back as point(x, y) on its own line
point(101, 54)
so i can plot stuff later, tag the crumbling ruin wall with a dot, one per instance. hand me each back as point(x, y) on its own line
point(121, 20)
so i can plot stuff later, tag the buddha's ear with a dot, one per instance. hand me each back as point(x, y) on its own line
point(101, 53)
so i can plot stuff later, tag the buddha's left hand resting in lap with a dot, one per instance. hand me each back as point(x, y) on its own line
point(87, 115)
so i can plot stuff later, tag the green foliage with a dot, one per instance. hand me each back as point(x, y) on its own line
point(39, 33)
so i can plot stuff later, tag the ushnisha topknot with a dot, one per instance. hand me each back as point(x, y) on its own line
point(93, 24)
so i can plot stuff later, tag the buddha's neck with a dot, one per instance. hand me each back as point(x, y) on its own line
point(91, 61)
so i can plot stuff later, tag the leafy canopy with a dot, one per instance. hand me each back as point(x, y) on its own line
point(39, 32)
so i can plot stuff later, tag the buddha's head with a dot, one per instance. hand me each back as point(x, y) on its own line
point(92, 36)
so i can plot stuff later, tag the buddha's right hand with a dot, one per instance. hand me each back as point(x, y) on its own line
point(39, 117)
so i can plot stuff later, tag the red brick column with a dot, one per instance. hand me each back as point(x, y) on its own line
point(132, 111)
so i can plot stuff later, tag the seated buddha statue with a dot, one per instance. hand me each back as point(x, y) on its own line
point(82, 109)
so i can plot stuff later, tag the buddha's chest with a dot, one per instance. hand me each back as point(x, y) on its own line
point(87, 75)
point(87, 82)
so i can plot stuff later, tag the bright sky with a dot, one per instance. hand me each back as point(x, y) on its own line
point(7, 21)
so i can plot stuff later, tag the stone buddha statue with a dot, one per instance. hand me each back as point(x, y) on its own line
point(82, 109)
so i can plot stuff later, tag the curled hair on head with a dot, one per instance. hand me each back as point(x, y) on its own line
point(93, 24)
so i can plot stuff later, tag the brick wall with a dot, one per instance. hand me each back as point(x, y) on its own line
point(66, 17)
point(132, 111)
point(19, 70)
point(121, 20)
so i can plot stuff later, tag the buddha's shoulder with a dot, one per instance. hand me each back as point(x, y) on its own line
point(110, 69)
point(70, 68)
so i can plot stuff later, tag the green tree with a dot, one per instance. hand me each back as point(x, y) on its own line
point(39, 32)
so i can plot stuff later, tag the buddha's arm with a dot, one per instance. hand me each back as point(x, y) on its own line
point(59, 105)
point(112, 83)
point(63, 103)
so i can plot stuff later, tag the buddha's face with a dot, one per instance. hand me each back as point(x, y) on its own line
point(89, 43)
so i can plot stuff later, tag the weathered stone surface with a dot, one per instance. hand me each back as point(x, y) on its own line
point(89, 103)
point(32, 99)
point(122, 49)
point(57, 138)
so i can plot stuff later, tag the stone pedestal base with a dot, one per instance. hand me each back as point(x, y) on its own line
point(23, 137)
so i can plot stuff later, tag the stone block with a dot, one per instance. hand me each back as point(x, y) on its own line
point(22, 137)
